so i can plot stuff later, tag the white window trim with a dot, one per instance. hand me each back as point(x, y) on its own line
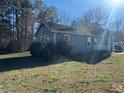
point(67, 35)
point(95, 41)
point(89, 41)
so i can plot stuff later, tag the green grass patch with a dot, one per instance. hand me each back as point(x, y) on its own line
point(104, 78)
point(116, 62)
point(69, 90)
point(79, 69)
point(53, 78)
point(49, 87)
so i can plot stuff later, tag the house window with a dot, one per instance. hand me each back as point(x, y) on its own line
point(41, 38)
point(89, 41)
point(95, 41)
point(45, 38)
point(67, 38)
point(106, 42)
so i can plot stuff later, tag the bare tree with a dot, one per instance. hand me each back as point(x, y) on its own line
point(65, 18)
point(95, 19)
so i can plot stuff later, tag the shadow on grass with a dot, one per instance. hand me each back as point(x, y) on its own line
point(31, 62)
point(21, 63)
point(93, 58)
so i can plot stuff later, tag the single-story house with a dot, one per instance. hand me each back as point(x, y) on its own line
point(81, 39)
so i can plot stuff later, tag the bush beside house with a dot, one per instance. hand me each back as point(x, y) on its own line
point(48, 51)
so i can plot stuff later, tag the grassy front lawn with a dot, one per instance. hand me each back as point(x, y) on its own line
point(64, 76)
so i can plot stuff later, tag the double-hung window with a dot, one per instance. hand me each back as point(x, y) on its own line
point(95, 41)
point(67, 38)
point(89, 41)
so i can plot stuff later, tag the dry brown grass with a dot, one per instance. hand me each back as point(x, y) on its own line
point(66, 77)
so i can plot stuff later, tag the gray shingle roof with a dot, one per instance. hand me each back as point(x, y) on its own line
point(60, 28)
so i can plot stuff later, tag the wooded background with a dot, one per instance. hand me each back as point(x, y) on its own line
point(19, 20)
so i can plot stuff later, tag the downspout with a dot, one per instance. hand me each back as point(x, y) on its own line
point(54, 38)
